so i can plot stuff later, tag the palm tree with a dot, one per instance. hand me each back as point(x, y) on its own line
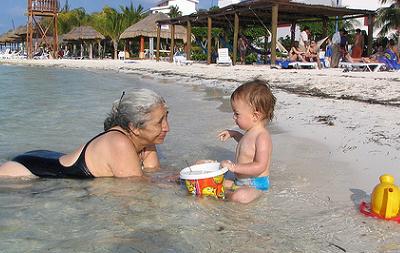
point(109, 22)
point(174, 12)
point(388, 18)
point(131, 15)
point(70, 19)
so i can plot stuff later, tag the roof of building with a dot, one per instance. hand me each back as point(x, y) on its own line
point(83, 33)
point(147, 27)
point(253, 11)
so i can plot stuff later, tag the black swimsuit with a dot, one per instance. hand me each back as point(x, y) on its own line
point(45, 163)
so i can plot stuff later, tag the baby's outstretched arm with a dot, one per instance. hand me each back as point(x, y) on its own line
point(226, 134)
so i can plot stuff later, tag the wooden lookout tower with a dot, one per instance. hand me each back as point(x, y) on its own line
point(42, 8)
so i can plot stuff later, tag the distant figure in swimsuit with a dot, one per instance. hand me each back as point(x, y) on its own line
point(253, 107)
point(357, 49)
point(137, 122)
point(296, 54)
point(312, 54)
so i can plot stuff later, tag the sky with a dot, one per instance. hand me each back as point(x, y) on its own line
point(12, 12)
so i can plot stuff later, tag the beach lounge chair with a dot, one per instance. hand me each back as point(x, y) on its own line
point(121, 55)
point(180, 59)
point(362, 66)
point(223, 57)
point(300, 65)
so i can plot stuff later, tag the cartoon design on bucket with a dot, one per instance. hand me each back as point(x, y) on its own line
point(204, 179)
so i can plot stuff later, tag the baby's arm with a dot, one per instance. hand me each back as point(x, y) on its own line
point(226, 134)
point(261, 158)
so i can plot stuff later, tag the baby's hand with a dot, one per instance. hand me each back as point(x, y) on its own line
point(227, 164)
point(224, 135)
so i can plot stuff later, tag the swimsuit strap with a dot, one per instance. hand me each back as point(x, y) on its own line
point(83, 152)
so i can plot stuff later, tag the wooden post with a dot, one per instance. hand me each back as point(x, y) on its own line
point(158, 42)
point(235, 38)
point(189, 41)
point(209, 21)
point(324, 30)
point(274, 31)
point(171, 53)
point(55, 35)
point(90, 50)
point(292, 33)
point(141, 51)
point(370, 33)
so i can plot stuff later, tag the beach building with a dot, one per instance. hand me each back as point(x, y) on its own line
point(362, 23)
point(223, 3)
point(185, 6)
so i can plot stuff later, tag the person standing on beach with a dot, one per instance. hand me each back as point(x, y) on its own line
point(357, 49)
point(253, 107)
point(242, 45)
point(305, 38)
point(136, 124)
point(336, 53)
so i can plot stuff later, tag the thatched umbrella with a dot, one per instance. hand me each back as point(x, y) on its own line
point(84, 33)
point(147, 27)
point(12, 38)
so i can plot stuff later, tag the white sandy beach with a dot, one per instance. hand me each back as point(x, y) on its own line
point(334, 133)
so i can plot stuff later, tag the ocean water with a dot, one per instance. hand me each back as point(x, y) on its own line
point(59, 109)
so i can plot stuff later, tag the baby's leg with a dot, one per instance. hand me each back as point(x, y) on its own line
point(245, 195)
point(14, 169)
point(228, 184)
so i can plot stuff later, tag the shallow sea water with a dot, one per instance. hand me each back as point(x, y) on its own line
point(60, 109)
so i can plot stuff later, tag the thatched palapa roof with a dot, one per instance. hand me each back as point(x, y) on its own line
point(83, 33)
point(9, 37)
point(147, 27)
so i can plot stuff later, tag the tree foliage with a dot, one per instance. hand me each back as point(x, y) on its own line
point(388, 18)
point(174, 12)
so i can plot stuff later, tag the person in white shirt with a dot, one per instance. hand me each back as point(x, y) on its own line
point(336, 38)
point(304, 38)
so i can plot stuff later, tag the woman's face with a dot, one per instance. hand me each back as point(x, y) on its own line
point(156, 128)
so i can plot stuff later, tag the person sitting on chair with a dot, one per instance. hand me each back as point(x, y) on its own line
point(312, 54)
point(296, 54)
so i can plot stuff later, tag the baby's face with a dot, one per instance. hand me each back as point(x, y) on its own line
point(243, 114)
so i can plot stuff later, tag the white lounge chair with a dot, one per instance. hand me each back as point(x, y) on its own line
point(223, 57)
point(180, 59)
point(300, 65)
point(362, 66)
point(121, 55)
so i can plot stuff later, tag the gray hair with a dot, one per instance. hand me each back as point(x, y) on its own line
point(134, 108)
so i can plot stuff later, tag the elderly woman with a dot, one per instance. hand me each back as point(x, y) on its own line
point(137, 122)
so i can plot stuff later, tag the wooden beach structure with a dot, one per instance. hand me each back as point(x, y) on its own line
point(84, 35)
point(36, 10)
point(148, 28)
point(265, 13)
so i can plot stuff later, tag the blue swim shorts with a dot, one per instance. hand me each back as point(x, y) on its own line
point(259, 183)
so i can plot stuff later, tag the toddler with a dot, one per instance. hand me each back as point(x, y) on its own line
point(253, 107)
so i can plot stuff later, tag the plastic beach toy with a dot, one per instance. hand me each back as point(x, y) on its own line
point(385, 200)
point(204, 179)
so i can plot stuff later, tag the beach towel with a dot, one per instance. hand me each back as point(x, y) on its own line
point(389, 58)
